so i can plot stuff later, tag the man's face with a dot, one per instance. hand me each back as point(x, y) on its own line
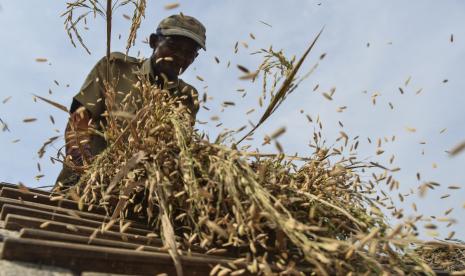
point(173, 54)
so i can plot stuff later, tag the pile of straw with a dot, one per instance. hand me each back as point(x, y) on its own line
point(448, 256)
point(273, 214)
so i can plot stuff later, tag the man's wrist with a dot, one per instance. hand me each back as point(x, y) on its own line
point(79, 154)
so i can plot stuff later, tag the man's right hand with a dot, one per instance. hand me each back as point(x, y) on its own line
point(77, 137)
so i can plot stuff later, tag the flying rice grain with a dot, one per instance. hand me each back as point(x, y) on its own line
point(171, 6)
point(453, 187)
point(327, 96)
point(280, 131)
point(341, 108)
point(249, 76)
point(332, 91)
point(29, 120)
point(250, 111)
point(410, 129)
point(457, 149)
point(408, 80)
point(243, 69)
point(6, 99)
point(264, 23)
point(241, 128)
point(448, 211)
point(279, 147)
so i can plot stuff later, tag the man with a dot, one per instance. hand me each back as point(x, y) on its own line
point(175, 45)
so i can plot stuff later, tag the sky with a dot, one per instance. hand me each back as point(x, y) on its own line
point(372, 48)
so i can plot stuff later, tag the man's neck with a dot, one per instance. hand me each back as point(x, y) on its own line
point(162, 80)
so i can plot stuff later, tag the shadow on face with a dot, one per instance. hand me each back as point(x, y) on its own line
point(172, 55)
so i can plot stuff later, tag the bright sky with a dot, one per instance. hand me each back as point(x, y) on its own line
point(373, 47)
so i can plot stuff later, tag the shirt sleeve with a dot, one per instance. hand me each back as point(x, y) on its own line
point(91, 93)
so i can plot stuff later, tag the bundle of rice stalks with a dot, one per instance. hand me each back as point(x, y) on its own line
point(270, 213)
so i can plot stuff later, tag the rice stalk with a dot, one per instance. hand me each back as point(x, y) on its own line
point(285, 87)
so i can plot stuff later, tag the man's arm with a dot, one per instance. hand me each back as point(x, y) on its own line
point(77, 136)
point(86, 108)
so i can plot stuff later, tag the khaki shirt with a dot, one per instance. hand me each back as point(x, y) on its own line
point(125, 73)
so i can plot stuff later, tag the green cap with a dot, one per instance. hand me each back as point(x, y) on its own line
point(183, 25)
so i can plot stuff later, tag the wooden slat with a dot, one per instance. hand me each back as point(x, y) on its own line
point(17, 222)
point(59, 210)
point(44, 199)
point(40, 234)
point(20, 210)
point(79, 257)
point(14, 186)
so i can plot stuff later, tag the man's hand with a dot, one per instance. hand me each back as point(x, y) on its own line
point(77, 137)
point(78, 155)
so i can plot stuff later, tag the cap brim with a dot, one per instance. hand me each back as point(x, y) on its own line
point(185, 33)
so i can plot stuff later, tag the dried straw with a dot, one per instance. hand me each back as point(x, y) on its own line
point(277, 216)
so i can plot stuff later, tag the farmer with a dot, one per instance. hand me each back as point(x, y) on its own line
point(175, 45)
